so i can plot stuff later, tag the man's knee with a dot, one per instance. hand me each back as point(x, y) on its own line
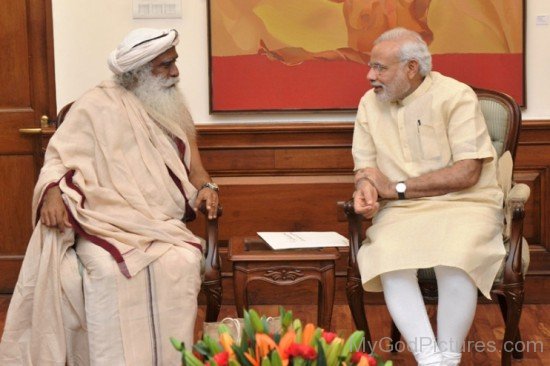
point(96, 262)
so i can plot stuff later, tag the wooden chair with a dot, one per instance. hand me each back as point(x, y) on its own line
point(211, 284)
point(503, 118)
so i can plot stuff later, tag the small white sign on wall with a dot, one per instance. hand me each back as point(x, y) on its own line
point(156, 9)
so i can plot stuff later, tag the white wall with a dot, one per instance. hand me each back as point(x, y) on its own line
point(85, 31)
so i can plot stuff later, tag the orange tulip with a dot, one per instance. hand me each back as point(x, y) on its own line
point(226, 341)
point(251, 359)
point(307, 334)
point(265, 344)
point(285, 341)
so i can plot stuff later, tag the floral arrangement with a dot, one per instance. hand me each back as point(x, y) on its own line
point(292, 344)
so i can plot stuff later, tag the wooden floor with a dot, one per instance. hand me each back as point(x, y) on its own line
point(484, 339)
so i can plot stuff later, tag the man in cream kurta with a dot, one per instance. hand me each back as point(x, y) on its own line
point(111, 271)
point(426, 174)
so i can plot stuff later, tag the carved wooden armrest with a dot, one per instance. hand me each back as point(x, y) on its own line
point(515, 212)
point(355, 233)
point(212, 265)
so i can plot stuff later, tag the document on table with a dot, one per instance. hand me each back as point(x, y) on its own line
point(303, 239)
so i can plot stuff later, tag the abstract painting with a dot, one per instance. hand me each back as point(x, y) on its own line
point(309, 55)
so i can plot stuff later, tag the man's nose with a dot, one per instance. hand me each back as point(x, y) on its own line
point(174, 71)
point(371, 75)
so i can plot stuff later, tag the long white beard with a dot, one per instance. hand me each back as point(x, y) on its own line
point(164, 102)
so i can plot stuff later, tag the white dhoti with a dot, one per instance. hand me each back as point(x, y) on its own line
point(130, 321)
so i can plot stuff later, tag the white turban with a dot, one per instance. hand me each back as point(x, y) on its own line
point(139, 47)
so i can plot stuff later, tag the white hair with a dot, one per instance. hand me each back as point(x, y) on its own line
point(412, 47)
point(161, 98)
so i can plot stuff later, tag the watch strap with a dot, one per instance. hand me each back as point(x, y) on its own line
point(400, 192)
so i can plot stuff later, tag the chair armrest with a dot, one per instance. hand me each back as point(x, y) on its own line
point(515, 213)
point(515, 200)
point(519, 193)
point(212, 266)
point(355, 233)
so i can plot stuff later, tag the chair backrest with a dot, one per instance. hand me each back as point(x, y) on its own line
point(503, 118)
point(61, 115)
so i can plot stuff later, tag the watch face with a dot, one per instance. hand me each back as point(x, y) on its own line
point(400, 187)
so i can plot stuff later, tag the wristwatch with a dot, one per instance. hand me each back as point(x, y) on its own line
point(400, 188)
point(213, 186)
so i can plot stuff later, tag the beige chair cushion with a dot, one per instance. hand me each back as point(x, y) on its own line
point(497, 119)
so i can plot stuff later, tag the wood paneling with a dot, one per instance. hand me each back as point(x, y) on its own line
point(289, 177)
point(17, 176)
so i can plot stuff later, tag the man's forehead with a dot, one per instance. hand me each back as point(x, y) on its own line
point(385, 51)
point(167, 55)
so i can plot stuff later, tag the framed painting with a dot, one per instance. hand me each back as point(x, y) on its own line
point(312, 55)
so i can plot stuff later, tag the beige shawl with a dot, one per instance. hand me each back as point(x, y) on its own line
point(121, 190)
point(115, 167)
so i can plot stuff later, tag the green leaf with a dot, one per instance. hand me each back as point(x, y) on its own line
point(190, 359)
point(248, 328)
point(286, 319)
point(265, 361)
point(177, 344)
point(321, 357)
point(256, 321)
point(353, 344)
point(333, 352)
point(239, 353)
point(276, 359)
point(212, 344)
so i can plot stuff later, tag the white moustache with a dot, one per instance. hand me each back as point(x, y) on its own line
point(169, 82)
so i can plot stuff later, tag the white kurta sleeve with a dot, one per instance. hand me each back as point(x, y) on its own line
point(467, 130)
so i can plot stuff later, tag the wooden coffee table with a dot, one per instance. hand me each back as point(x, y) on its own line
point(254, 260)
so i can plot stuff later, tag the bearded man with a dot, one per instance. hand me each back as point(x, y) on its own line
point(425, 170)
point(123, 173)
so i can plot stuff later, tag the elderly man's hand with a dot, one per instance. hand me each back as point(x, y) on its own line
point(365, 199)
point(53, 212)
point(210, 198)
point(383, 185)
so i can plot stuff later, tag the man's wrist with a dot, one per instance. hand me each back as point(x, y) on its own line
point(362, 179)
point(211, 185)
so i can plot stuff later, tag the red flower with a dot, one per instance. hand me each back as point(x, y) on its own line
point(356, 357)
point(302, 350)
point(222, 358)
point(329, 336)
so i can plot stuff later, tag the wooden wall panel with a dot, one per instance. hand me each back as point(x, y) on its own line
point(289, 177)
point(17, 172)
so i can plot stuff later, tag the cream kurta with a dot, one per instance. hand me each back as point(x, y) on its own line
point(438, 124)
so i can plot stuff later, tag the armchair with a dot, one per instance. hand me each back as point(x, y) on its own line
point(503, 118)
point(211, 284)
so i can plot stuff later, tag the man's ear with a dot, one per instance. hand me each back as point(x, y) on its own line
point(413, 68)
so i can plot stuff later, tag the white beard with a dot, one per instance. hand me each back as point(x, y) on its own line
point(164, 102)
point(394, 91)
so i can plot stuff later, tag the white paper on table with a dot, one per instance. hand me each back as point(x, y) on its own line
point(303, 239)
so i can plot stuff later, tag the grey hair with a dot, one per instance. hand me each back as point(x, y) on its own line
point(130, 79)
point(412, 47)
